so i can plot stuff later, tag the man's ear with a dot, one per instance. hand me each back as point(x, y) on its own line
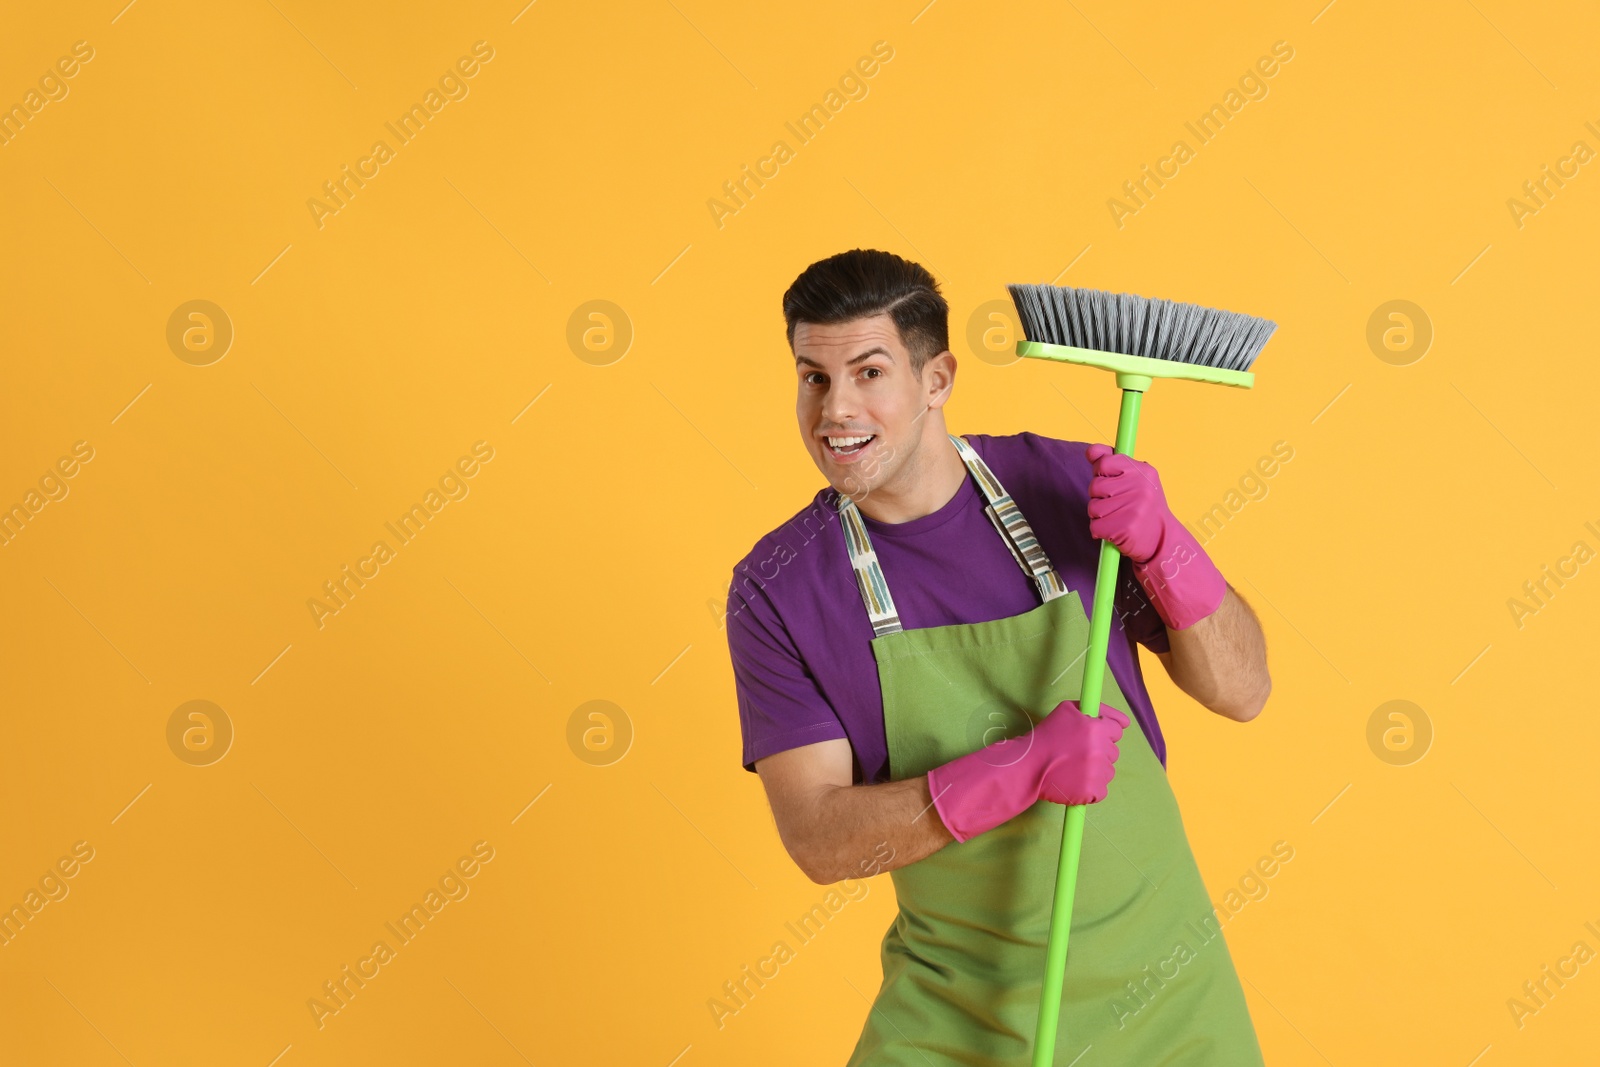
point(939, 377)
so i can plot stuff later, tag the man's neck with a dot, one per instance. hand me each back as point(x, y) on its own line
point(934, 477)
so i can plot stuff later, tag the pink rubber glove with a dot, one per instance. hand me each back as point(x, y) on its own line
point(1128, 508)
point(1066, 758)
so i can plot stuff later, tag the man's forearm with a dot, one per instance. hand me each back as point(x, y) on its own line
point(1221, 661)
point(852, 824)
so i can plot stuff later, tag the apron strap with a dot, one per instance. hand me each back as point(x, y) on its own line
point(1002, 511)
point(869, 575)
point(1013, 527)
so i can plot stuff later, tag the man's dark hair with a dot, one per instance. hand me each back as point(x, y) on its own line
point(863, 282)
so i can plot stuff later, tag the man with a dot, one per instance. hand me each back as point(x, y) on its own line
point(907, 652)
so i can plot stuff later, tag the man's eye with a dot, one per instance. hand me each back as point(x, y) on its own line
point(873, 371)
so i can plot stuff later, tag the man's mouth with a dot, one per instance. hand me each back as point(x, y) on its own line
point(847, 448)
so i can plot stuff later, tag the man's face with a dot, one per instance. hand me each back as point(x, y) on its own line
point(855, 382)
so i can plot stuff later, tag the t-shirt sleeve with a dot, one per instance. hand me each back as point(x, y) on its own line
point(780, 704)
point(1138, 615)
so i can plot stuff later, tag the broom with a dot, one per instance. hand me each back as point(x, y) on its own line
point(1139, 339)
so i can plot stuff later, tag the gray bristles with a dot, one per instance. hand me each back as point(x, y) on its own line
point(1140, 326)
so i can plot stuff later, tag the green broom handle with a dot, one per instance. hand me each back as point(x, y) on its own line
point(1094, 670)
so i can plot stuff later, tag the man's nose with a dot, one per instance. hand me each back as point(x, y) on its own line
point(840, 404)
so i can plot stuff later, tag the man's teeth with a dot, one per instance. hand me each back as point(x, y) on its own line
point(847, 442)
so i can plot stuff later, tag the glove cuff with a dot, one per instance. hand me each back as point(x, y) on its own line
point(1182, 583)
point(979, 791)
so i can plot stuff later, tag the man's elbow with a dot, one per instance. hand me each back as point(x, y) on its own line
point(1248, 708)
point(810, 852)
point(820, 876)
point(813, 866)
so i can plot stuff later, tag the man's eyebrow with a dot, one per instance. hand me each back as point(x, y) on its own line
point(875, 350)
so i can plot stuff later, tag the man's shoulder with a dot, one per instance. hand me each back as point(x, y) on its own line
point(790, 544)
point(1031, 457)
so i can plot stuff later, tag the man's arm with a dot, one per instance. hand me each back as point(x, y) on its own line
point(1221, 661)
point(1217, 655)
point(834, 830)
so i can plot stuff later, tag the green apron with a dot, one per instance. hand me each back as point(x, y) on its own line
point(1149, 978)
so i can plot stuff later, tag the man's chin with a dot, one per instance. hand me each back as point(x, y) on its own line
point(851, 484)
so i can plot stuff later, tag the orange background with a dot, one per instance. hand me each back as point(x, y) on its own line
point(588, 558)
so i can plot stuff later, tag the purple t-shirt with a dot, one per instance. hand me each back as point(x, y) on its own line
point(800, 637)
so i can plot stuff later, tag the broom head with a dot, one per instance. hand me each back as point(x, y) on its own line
point(1139, 337)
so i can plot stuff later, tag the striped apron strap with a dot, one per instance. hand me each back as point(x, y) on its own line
point(1002, 511)
point(1013, 527)
point(869, 575)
